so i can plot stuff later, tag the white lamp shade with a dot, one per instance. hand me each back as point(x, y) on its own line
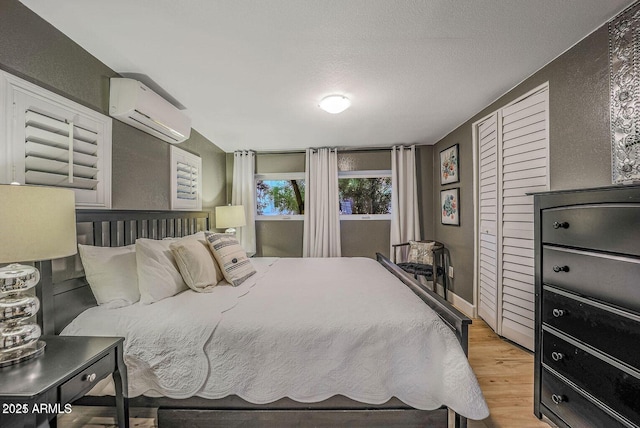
point(36, 223)
point(230, 216)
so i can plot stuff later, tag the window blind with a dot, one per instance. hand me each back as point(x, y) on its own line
point(186, 180)
point(53, 141)
point(59, 153)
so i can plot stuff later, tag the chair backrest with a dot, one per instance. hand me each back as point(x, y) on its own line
point(437, 248)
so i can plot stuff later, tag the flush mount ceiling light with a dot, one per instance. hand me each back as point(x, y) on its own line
point(335, 104)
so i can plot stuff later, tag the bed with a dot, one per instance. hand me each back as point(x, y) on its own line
point(312, 371)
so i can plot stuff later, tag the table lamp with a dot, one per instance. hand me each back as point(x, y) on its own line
point(230, 217)
point(36, 223)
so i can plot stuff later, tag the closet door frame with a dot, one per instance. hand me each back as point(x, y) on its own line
point(476, 199)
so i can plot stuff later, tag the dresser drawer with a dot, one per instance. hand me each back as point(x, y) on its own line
point(570, 406)
point(607, 330)
point(609, 278)
point(81, 383)
point(614, 387)
point(597, 227)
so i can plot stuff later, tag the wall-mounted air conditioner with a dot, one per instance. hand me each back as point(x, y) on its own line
point(135, 104)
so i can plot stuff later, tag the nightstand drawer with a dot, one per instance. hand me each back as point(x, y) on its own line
point(616, 388)
point(609, 330)
point(610, 278)
point(570, 406)
point(596, 227)
point(85, 380)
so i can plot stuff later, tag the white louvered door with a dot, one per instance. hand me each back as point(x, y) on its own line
point(525, 148)
point(522, 144)
point(487, 134)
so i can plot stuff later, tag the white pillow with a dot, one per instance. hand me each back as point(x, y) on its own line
point(196, 263)
point(111, 274)
point(158, 275)
point(231, 257)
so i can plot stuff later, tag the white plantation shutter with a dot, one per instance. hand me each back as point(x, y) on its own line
point(519, 137)
point(186, 180)
point(53, 141)
point(488, 220)
point(525, 145)
point(53, 159)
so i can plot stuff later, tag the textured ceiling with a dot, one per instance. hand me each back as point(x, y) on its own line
point(251, 72)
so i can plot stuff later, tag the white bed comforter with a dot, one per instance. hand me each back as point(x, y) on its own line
point(309, 329)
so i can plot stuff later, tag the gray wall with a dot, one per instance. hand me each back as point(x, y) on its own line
point(360, 238)
point(35, 51)
point(579, 141)
point(425, 177)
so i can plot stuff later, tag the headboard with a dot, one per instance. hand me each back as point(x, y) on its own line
point(62, 301)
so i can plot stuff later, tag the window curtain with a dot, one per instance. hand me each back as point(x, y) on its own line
point(405, 221)
point(243, 193)
point(321, 200)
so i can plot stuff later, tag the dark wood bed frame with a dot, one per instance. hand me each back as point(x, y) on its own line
point(62, 301)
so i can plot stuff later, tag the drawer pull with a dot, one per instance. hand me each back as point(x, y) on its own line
point(89, 377)
point(557, 356)
point(560, 225)
point(558, 312)
point(557, 399)
point(561, 268)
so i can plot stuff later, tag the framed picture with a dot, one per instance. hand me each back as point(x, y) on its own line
point(450, 206)
point(449, 171)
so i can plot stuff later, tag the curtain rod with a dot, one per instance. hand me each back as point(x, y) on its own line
point(340, 150)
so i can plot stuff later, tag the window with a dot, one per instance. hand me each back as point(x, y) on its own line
point(280, 196)
point(365, 195)
point(186, 185)
point(53, 141)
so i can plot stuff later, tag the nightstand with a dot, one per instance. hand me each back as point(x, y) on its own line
point(35, 391)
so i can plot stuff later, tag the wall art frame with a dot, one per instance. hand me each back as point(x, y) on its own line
point(449, 165)
point(624, 84)
point(450, 207)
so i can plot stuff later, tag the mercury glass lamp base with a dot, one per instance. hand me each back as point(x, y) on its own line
point(19, 355)
point(230, 231)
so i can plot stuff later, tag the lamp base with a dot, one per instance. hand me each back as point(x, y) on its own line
point(23, 354)
point(230, 231)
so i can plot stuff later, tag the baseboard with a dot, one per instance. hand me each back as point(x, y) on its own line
point(462, 305)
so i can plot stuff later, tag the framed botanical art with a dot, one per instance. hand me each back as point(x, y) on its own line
point(450, 206)
point(449, 171)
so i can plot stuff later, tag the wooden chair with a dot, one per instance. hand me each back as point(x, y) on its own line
point(440, 265)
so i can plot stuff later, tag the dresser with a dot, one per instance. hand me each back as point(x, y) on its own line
point(587, 290)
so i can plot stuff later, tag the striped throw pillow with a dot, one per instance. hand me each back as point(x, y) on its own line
point(231, 257)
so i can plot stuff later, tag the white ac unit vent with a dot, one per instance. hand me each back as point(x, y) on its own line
point(134, 103)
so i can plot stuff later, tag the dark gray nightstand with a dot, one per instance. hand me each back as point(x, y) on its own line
point(35, 391)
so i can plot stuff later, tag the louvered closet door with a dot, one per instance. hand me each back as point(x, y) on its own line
point(524, 136)
point(487, 135)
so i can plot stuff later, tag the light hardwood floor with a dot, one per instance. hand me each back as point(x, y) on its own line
point(504, 371)
point(505, 374)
